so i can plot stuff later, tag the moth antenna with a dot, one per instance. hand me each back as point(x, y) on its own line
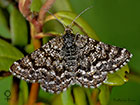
point(80, 15)
point(57, 19)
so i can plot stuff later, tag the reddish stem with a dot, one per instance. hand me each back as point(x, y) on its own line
point(44, 9)
point(33, 94)
point(39, 20)
point(25, 8)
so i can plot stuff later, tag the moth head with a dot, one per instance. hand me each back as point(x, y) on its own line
point(68, 30)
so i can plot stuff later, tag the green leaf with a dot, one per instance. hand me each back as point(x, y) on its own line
point(45, 96)
point(23, 95)
point(36, 5)
point(4, 30)
point(62, 5)
point(29, 48)
point(53, 26)
point(5, 85)
point(8, 54)
point(57, 100)
point(118, 78)
point(79, 99)
point(104, 95)
point(67, 97)
point(19, 30)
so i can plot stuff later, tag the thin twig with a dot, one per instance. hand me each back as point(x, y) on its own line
point(42, 35)
point(44, 9)
point(24, 7)
point(4, 73)
point(38, 20)
point(27, 7)
point(134, 77)
point(95, 96)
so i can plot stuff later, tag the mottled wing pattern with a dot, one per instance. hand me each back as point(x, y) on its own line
point(45, 65)
point(96, 59)
point(70, 59)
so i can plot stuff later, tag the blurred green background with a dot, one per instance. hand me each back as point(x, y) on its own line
point(116, 22)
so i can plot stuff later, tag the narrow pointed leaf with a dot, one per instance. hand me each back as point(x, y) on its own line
point(36, 5)
point(23, 95)
point(104, 95)
point(80, 96)
point(67, 98)
point(4, 30)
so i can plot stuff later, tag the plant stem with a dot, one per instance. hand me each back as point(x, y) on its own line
point(33, 94)
point(94, 96)
point(42, 35)
point(134, 77)
point(4, 73)
point(24, 7)
point(44, 9)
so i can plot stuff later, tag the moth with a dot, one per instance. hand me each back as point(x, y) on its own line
point(68, 60)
